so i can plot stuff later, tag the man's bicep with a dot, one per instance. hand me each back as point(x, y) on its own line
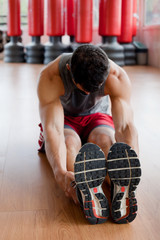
point(46, 89)
point(120, 94)
point(50, 86)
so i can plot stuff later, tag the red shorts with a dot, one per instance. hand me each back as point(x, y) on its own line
point(83, 125)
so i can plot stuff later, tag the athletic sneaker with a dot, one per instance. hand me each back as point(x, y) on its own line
point(124, 171)
point(90, 171)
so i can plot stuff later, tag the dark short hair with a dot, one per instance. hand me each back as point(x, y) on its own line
point(89, 67)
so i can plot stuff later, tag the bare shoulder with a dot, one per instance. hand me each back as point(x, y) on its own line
point(118, 82)
point(50, 85)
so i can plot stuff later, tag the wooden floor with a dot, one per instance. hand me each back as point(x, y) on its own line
point(32, 207)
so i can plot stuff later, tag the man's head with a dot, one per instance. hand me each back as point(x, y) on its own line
point(89, 67)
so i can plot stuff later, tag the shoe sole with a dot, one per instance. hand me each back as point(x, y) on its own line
point(90, 171)
point(124, 172)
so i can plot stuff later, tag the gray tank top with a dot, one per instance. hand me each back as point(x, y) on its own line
point(74, 102)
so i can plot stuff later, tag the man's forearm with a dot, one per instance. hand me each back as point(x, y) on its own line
point(56, 152)
point(128, 135)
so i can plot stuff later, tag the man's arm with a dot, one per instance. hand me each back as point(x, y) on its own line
point(50, 88)
point(119, 88)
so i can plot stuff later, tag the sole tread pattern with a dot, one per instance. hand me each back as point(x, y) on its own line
point(124, 172)
point(90, 171)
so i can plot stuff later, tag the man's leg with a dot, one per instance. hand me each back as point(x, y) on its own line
point(103, 137)
point(95, 208)
point(90, 172)
point(124, 172)
point(73, 144)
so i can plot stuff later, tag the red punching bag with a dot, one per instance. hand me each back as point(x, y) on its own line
point(134, 17)
point(110, 17)
point(127, 21)
point(84, 12)
point(55, 17)
point(14, 18)
point(71, 17)
point(35, 17)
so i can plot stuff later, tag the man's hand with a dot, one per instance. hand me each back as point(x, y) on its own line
point(64, 182)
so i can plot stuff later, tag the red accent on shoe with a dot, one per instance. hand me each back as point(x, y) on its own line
point(127, 213)
point(122, 189)
point(94, 210)
point(95, 190)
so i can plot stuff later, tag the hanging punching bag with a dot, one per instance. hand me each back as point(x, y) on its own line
point(134, 31)
point(110, 28)
point(35, 17)
point(71, 17)
point(35, 50)
point(127, 22)
point(13, 23)
point(110, 17)
point(127, 32)
point(84, 12)
point(55, 18)
point(55, 30)
point(14, 50)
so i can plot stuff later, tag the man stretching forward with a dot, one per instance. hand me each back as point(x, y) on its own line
point(79, 94)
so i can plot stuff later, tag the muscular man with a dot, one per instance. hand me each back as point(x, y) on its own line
point(79, 94)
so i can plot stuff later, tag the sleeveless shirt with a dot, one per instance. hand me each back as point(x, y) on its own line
point(74, 101)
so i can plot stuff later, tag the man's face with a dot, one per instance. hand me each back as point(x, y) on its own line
point(77, 84)
point(80, 87)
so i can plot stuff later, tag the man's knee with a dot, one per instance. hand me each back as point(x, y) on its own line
point(72, 142)
point(105, 140)
point(102, 137)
